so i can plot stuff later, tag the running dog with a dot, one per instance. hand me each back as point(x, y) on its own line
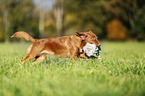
point(65, 46)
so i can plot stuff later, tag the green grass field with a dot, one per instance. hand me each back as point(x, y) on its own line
point(121, 72)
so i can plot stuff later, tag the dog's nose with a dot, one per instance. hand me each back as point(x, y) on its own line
point(12, 36)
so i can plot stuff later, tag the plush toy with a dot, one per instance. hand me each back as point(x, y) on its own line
point(91, 50)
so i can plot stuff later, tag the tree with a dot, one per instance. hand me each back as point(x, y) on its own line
point(6, 21)
point(42, 19)
point(59, 13)
point(130, 13)
point(139, 19)
point(18, 15)
point(82, 15)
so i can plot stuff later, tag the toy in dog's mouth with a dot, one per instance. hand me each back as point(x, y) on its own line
point(98, 52)
point(92, 50)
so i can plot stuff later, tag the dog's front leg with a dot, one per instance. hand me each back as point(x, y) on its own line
point(73, 54)
point(74, 58)
point(83, 55)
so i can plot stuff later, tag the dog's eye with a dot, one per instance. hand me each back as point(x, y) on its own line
point(93, 38)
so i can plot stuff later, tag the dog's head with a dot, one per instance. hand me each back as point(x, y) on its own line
point(89, 37)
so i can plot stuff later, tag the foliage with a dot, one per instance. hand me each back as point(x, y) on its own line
point(86, 15)
point(98, 14)
point(1, 31)
point(116, 30)
point(76, 15)
point(121, 72)
point(20, 16)
point(139, 29)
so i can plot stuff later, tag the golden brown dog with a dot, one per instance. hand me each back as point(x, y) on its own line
point(65, 46)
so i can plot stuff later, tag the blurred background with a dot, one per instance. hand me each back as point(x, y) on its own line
point(109, 19)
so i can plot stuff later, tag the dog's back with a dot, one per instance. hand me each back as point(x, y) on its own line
point(60, 46)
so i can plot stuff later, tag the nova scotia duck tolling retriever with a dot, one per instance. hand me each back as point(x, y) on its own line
point(65, 46)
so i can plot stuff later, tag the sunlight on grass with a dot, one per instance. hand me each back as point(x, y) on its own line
point(120, 72)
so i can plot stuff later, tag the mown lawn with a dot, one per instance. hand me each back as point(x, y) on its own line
point(121, 72)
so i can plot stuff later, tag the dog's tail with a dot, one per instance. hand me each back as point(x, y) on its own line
point(22, 34)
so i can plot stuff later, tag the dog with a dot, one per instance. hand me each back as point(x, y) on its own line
point(65, 46)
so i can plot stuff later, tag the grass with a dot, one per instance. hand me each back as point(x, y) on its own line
point(121, 72)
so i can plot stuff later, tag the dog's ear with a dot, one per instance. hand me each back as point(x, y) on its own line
point(81, 35)
point(89, 31)
point(77, 34)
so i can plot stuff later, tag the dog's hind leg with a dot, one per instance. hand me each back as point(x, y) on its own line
point(27, 58)
point(29, 49)
point(41, 58)
point(35, 51)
